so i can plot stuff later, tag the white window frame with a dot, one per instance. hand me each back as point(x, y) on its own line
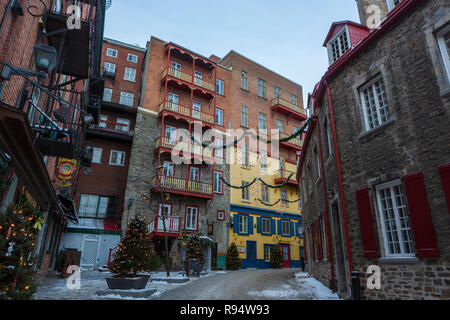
point(444, 51)
point(130, 74)
point(277, 92)
point(262, 119)
point(107, 94)
point(337, 42)
point(262, 88)
point(134, 58)
point(391, 4)
point(279, 125)
point(110, 67)
point(102, 124)
point(285, 223)
point(395, 208)
point(243, 224)
point(244, 116)
point(265, 194)
point(113, 53)
point(122, 153)
point(191, 218)
point(162, 210)
point(219, 117)
point(220, 87)
point(194, 173)
point(218, 184)
point(371, 86)
point(126, 98)
point(266, 225)
point(168, 169)
point(294, 99)
point(284, 196)
point(121, 128)
point(97, 155)
point(245, 194)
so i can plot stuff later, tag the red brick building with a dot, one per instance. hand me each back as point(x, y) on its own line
point(100, 190)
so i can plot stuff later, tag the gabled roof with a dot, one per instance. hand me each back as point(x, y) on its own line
point(336, 25)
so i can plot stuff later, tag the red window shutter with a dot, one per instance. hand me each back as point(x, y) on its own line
point(313, 244)
point(369, 240)
point(327, 234)
point(419, 211)
point(444, 171)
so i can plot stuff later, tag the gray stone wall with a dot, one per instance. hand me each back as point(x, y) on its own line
point(415, 139)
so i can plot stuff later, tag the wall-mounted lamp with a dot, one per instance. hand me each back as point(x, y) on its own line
point(130, 202)
point(330, 194)
point(44, 57)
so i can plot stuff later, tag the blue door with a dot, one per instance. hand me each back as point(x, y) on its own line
point(251, 253)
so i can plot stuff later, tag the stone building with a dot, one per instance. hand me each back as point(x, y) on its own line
point(374, 170)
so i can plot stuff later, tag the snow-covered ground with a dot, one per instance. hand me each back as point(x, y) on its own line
point(304, 283)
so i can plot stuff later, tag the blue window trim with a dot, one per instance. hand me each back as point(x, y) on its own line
point(264, 212)
point(248, 222)
point(266, 245)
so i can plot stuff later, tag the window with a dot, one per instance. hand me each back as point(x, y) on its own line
point(123, 125)
point(197, 109)
point(107, 94)
point(262, 123)
point(299, 137)
point(244, 80)
point(111, 53)
point(280, 125)
point(392, 3)
point(198, 76)
point(194, 174)
point(102, 121)
point(117, 158)
point(277, 92)
point(170, 134)
point(97, 155)
point(126, 99)
point(95, 206)
point(218, 149)
point(263, 157)
point(338, 45)
point(265, 224)
point(285, 228)
point(245, 156)
point(394, 217)
point(132, 58)
point(218, 184)
point(175, 69)
point(243, 224)
point(268, 249)
point(244, 116)
point(444, 45)
point(327, 134)
point(261, 88)
point(245, 191)
point(219, 117)
point(265, 193)
point(191, 218)
point(110, 67)
point(130, 74)
point(374, 103)
point(165, 209)
point(316, 155)
point(220, 87)
point(284, 198)
point(294, 100)
point(168, 169)
point(221, 215)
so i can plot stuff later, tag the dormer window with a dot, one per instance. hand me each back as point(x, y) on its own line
point(338, 45)
point(392, 3)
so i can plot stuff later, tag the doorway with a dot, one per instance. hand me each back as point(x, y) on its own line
point(285, 251)
point(251, 253)
point(339, 252)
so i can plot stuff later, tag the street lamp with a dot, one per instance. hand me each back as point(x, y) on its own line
point(44, 57)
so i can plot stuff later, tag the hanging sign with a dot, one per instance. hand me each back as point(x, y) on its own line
point(65, 171)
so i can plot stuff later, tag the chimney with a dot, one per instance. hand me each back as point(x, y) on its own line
point(372, 12)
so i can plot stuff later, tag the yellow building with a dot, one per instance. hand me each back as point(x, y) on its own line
point(261, 216)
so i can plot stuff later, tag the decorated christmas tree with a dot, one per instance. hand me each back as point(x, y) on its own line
point(232, 260)
point(18, 232)
point(193, 249)
point(276, 258)
point(135, 253)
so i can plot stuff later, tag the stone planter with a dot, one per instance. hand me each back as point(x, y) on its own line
point(138, 283)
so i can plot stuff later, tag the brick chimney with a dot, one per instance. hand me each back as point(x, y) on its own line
point(372, 12)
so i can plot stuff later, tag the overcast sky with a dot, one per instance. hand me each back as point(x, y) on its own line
point(285, 36)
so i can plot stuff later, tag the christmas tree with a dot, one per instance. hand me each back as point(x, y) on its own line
point(18, 233)
point(135, 253)
point(276, 258)
point(194, 251)
point(232, 260)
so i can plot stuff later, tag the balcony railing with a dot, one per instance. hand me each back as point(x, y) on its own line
point(172, 225)
point(189, 78)
point(186, 111)
point(195, 150)
point(286, 105)
point(184, 185)
point(296, 143)
point(283, 175)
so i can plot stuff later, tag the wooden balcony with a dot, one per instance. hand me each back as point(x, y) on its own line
point(195, 151)
point(189, 78)
point(183, 187)
point(172, 226)
point(294, 144)
point(280, 105)
point(283, 176)
point(187, 112)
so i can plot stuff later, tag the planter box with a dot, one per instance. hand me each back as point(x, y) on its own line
point(137, 283)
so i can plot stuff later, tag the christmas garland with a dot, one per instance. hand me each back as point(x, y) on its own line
point(275, 203)
point(276, 186)
point(257, 137)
